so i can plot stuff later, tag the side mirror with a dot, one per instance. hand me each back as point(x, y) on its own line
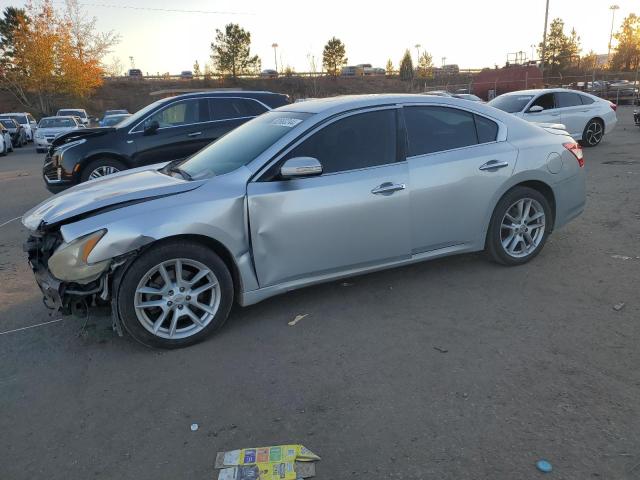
point(300, 167)
point(535, 109)
point(151, 127)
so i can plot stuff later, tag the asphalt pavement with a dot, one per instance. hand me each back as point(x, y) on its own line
point(452, 369)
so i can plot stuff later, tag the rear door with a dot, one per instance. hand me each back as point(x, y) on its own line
point(341, 219)
point(227, 113)
point(574, 115)
point(456, 166)
point(181, 132)
point(549, 114)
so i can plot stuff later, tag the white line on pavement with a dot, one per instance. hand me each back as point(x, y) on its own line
point(9, 221)
point(31, 326)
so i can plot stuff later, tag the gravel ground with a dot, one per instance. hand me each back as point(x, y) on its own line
point(452, 369)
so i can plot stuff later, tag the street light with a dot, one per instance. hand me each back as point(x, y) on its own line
point(544, 38)
point(275, 54)
point(613, 9)
point(417, 45)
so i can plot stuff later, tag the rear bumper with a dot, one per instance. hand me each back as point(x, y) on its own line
point(571, 198)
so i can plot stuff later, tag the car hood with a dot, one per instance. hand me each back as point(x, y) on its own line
point(81, 133)
point(114, 191)
point(56, 131)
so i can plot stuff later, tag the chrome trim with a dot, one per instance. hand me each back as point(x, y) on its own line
point(131, 130)
point(388, 188)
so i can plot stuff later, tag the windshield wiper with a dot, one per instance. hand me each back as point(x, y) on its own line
point(184, 174)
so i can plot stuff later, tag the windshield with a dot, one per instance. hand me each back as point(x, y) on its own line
point(113, 120)
point(77, 113)
point(21, 119)
point(511, 103)
point(56, 123)
point(115, 112)
point(7, 123)
point(242, 145)
point(140, 114)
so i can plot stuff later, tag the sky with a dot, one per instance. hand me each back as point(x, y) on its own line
point(470, 33)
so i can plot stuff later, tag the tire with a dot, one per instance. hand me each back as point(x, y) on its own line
point(502, 227)
point(92, 170)
point(593, 133)
point(171, 306)
point(40, 150)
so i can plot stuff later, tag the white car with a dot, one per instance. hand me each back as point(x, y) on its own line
point(586, 117)
point(50, 127)
point(26, 120)
point(5, 141)
point(74, 112)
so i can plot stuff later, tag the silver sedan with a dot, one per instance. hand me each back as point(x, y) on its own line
point(307, 193)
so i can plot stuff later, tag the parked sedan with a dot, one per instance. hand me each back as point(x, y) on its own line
point(109, 113)
point(169, 129)
point(112, 120)
point(5, 141)
point(27, 122)
point(17, 133)
point(74, 112)
point(307, 193)
point(51, 127)
point(586, 117)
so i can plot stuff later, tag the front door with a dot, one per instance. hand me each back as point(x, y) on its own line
point(356, 214)
point(549, 114)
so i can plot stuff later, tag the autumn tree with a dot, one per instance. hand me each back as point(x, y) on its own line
point(232, 51)
point(406, 67)
point(12, 19)
point(196, 69)
point(589, 62)
point(389, 69)
point(425, 65)
point(627, 53)
point(334, 56)
point(561, 50)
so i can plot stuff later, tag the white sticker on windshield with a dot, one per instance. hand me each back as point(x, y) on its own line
point(286, 122)
point(524, 98)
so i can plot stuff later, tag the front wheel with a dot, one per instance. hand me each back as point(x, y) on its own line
point(519, 226)
point(101, 168)
point(175, 295)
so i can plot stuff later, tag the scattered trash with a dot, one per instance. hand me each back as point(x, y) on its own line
point(618, 306)
point(194, 427)
point(544, 466)
point(297, 319)
point(441, 350)
point(621, 257)
point(281, 462)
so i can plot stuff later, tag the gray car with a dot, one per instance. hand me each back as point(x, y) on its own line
point(307, 193)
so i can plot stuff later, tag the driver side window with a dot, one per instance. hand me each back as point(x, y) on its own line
point(545, 101)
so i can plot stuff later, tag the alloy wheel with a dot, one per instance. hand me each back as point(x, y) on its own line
point(102, 171)
point(177, 298)
point(594, 133)
point(522, 227)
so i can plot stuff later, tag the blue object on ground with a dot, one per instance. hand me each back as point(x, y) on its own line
point(544, 466)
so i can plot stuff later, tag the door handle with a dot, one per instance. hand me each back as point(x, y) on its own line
point(387, 188)
point(493, 165)
point(194, 134)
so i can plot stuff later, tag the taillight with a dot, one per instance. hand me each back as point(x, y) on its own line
point(613, 106)
point(576, 150)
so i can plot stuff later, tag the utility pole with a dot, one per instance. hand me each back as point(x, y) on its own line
point(444, 59)
point(275, 54)
point(544, 39)
point(133, 65)
point(417, 45)
point(613, 9)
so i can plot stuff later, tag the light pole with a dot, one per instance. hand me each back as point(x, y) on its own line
point(417, 45)
point(613, 9)
point(533, 52)
point(275, 54)
point(544, 38)
point(444, 59)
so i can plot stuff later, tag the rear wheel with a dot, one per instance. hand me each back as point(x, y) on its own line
point(593, 133)
point(101, 168)
point(518, 228)
point(175, 295)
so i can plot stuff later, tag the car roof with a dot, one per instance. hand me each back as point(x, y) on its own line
point(225, 93)
point(536, 91)
point(58, 117)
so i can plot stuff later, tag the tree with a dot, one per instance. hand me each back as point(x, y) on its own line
point(561, 49)
point(196, 69)
point(389, 68)
point(231, 51)
point(590, 61)
point(12, 18)
point(334, 56)
point(115, 68)
point(425, 65)
point(627, 53)
point(54, 55)
point(406, 67)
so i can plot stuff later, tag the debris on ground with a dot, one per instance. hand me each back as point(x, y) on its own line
point(297, 319)
point(544, 466)
point(281, 462)
point(618, 306)
point(621, 257)
point(194, 427)
point(441, 350)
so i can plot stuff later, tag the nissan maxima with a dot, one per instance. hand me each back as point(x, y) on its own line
point(307, 193)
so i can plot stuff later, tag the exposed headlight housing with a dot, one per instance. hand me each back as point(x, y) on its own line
point(69, 261)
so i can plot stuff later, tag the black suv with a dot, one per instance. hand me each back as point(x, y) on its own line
point(169, 129)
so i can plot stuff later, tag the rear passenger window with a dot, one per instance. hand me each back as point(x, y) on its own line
point(586, 100)
point(435, 129)
point(567, 99)
point(228, 108)
point(487, 129)
point(358, 141)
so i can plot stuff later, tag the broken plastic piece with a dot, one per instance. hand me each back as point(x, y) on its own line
point(194, 427)
point(544, 466)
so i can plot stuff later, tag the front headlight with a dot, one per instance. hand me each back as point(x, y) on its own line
point(69, 261)
point(39, 134)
